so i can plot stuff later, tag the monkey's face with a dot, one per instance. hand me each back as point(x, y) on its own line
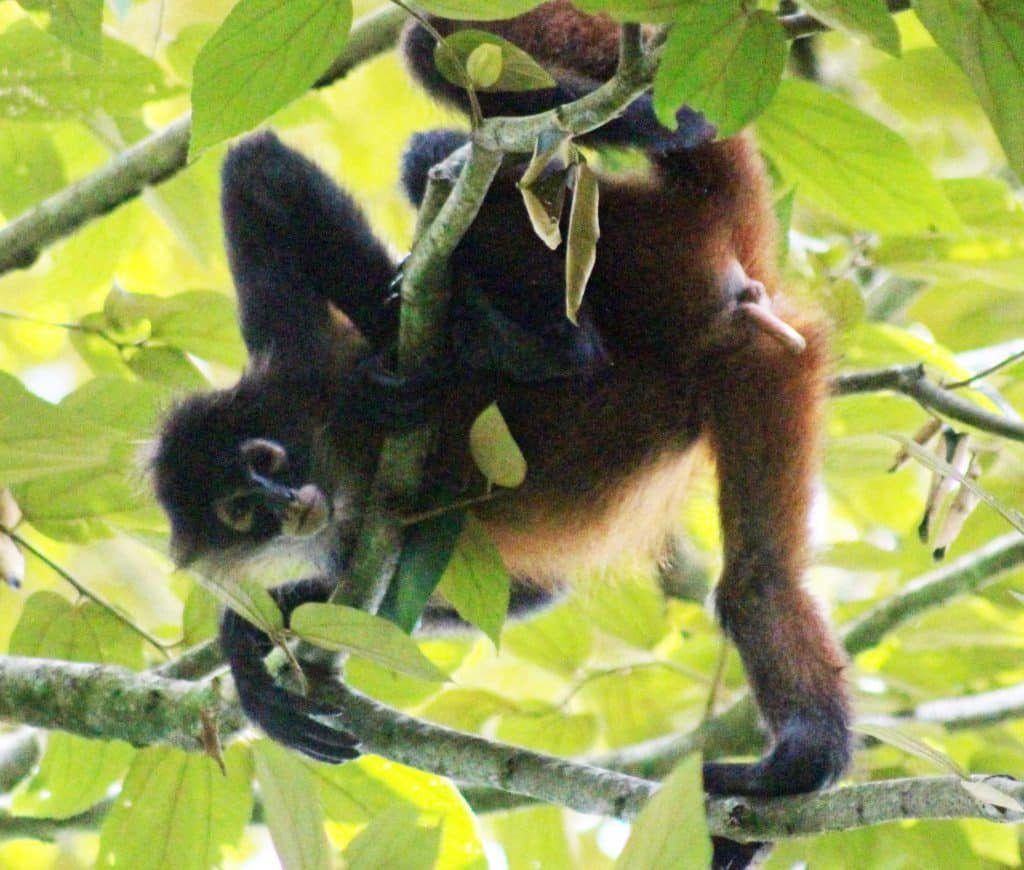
point(232, 475)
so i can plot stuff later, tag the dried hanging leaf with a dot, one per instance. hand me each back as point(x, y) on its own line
point(964, 503)
point(584, 231)
point(545, 201)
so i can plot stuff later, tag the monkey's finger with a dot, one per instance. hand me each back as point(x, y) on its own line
point(287, 718)
point(774, 326)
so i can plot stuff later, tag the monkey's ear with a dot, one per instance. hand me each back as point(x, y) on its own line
point(296, 242)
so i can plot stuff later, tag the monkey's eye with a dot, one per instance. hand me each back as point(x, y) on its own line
point(264, 456)
point(236, 512)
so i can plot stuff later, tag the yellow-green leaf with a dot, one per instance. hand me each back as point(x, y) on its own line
point(345, 629)
point(265, 54)
point(494, 450)
point(476, 581)
point(671, 831)
point(851, 165)
point(870, 18)
point(584, 231)
point(721, 60)
point(291, 808)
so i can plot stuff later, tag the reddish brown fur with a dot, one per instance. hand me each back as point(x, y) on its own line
point(609, 463)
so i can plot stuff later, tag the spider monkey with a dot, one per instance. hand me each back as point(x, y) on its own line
point(686, 339)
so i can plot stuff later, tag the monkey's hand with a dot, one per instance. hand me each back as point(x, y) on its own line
point(286, 717)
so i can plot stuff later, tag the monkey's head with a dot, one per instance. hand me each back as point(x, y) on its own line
point(234, 469)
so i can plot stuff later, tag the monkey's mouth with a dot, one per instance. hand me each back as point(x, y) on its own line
point(307, 513)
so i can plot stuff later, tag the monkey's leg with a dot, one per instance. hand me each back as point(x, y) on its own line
point(765, 404)
point(285, 716)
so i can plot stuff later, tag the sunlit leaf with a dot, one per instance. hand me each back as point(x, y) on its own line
point(497, 64)
point(671, 831)
point(849, 164)
point(78, 23)
point(43, 80)
point(394, 839)
point(870, 18)
point(345, 629)
point(722, 60)
point(291, 808)
point(265, 54)
point(478, 10)
point(987, 40)
point(476, 581)
point(176, 811)
point(495, 451)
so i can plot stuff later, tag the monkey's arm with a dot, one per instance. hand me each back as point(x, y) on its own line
point(285, 716)
point(764, 406)
point(296, 241)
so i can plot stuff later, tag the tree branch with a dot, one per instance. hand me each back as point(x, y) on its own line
point(968, 574)
point(911, 381)
point(116, 704)
point(111, 703)
point(154, 159)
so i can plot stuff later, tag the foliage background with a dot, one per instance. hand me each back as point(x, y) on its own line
point(909, 270)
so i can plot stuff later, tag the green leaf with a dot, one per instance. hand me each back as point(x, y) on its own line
point(476, 581)
point(31, 168)
point(37, 438)
point(79, 24)
point(503, 65)
point(478, 10)
point(201, 322)
point(494, 450)
point(75, 773)
point(554, 732)
point(43, 80)
point(345, 629)
point(265, 54)
point(870, 18)
point(249, 600)
point(583, 233)
point(394, 840)
point(850, 164)
point(908, 743)
point(635, 10)
point(987, 40)
point(167, 366)
point(484, 65)
point(722, 61)
point(426, 552)
point(200, 618)
point(291, 808)
point(671, 831)
point(176, 811)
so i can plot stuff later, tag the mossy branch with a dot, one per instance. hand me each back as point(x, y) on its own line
point(113, 703)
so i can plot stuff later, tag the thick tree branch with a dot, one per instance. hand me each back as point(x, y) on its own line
point(154, 159)
point(911, 381)
point(113, 703)
point(423, 317)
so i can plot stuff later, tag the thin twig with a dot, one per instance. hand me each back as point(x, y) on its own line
point(911, 381)
point(85, 592)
